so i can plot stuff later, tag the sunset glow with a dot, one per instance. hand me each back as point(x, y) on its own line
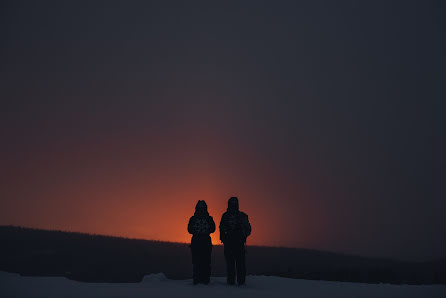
point(327, 124)
point(121, 189)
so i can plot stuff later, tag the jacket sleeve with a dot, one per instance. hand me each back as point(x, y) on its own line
point(190, 226)
point(223, 229)
point(211, 225)
point(246, 225)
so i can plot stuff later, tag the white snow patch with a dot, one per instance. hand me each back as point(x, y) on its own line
point(157, 285)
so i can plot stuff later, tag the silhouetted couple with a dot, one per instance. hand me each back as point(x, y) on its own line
point(234, 229)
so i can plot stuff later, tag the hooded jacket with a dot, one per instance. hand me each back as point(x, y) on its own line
point(201, 223)
point(234, 224)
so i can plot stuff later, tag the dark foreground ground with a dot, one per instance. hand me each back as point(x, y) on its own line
point(157, 285)
point(95, 258)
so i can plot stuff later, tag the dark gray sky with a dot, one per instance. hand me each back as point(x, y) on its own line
point(326, 118)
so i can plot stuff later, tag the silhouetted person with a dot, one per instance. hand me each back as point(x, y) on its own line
point(234, 229)
point(200, 226)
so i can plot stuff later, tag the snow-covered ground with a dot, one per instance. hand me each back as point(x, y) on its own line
point(157, 285)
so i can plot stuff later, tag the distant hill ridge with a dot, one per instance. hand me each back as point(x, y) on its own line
point(100, 258)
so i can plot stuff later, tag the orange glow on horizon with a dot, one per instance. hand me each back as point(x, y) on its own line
point(125, 192)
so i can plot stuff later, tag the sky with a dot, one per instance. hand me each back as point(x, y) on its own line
point(325, 118)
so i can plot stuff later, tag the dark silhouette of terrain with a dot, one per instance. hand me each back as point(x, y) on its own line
point(95, 258)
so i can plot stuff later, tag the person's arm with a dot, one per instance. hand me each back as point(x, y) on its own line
point(211, 225)
point(248, 229)
point(223, 229)
point(190, 227)
point(246, 226)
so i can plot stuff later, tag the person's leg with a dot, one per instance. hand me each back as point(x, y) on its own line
point(201, 264)
point(240, 261)
point(207, 265)
point(201, 273)
point(230, 264)
point(204, 274)
point(195, 264)
point(196, 274)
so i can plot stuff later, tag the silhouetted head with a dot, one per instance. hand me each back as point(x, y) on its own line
point(201, 208)
point(233, 204)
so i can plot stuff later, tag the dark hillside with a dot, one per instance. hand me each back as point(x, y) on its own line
point(96, 258)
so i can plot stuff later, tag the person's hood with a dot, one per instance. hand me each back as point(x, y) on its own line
point(201, 208)
point(233, 204)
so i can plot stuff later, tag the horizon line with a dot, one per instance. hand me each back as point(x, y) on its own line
point(219, 244)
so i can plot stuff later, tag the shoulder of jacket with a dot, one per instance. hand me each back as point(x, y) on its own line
point(224, 217)
point(243, 214)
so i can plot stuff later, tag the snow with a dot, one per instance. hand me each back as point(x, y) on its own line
point(157, 285)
